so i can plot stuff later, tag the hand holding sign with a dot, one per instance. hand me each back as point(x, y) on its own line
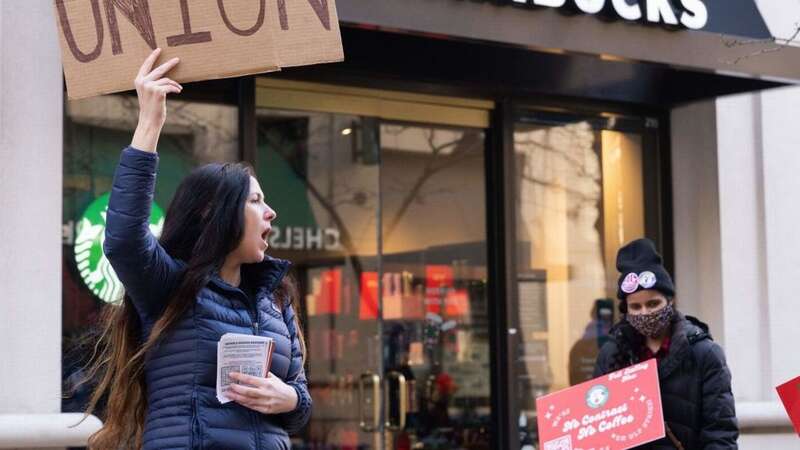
point(152, 88)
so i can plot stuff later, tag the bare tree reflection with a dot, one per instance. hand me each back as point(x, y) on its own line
point(439, 157)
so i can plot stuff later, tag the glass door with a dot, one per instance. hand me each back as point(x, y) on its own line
point(326, 199)
point(381, 208)
point(436, 337)
point(581, 186)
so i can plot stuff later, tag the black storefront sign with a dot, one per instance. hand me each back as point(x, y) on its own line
point(733, 38)
point(729, 17)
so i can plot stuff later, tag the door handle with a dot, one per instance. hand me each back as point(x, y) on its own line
point(401, 398)
point(373, 425)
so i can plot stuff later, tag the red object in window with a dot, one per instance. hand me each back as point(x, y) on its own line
point(368, 303)
point(445, 384)
point(392, 296)
point(457, 303)
point(438, 283)
point(348, 440)
point(329, 298)
point(402, 442)
point(413, 305)
point(789, 393)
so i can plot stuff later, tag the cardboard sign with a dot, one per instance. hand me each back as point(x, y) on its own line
point(789, 393)
point(104, 42)
point(617, 411)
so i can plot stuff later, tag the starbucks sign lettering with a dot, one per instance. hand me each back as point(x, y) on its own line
point(692, 14)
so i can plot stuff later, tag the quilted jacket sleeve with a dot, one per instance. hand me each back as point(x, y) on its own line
point(719, 426)
point(143, 266)
point(294, 421)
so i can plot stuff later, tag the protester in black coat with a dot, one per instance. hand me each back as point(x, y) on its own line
point(695, 381)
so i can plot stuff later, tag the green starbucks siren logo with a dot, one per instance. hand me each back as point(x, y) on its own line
point(92, 263)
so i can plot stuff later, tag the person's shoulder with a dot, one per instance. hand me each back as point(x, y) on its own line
point(696, 331)
point(706, 350)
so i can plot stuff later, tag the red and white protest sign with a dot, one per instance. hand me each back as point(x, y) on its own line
point(614, 412)
point(790, 396)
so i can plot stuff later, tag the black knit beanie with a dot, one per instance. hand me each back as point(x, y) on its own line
point(640, 267)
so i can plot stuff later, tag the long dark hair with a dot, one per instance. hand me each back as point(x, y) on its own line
point(203, 224)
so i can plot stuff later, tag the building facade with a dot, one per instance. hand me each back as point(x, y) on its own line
point(452, 197)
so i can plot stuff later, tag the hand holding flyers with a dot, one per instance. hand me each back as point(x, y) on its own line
point(241, 353)
point(617, 411)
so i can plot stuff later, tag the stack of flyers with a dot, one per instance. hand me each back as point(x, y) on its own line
point(243, 353)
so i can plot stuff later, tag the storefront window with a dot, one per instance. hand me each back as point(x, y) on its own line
point(580, 197)
point(385, 224)
point(324, 186)
point(436, 327)
point(95, 131)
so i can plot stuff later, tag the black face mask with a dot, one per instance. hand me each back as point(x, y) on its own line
point(654, 323)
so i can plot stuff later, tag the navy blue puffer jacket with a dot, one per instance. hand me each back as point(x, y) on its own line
point(182, 409)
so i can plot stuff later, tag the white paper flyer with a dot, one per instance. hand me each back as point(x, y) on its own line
point(243, 353)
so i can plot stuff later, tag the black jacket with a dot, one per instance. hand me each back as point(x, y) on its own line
point(695, 385)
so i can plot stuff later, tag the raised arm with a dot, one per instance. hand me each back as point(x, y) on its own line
point(143, 266)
